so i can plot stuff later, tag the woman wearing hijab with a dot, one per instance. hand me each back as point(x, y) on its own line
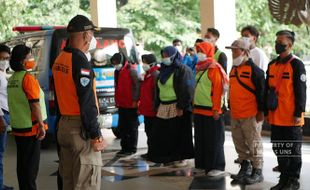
point(211, 81)
point(173, 134)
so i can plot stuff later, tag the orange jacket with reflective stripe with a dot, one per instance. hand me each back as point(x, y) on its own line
point(291, 93)
point(243, 103)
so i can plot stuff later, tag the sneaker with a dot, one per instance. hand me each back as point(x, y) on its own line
point(180, 164)
point(215, 173)
point(123, 153)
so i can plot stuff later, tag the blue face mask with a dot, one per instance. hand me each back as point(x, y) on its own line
point(166, 61)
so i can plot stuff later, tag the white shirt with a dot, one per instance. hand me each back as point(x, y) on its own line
point(260, 58)
point(3, 92)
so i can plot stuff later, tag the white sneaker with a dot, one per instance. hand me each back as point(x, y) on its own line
point(180, 163)
point(214, 173)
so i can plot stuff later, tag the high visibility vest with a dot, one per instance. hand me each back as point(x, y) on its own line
point(166, 91)
point(20, 112)
point(202, 97)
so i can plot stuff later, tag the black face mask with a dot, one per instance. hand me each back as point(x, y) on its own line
point(280, 48)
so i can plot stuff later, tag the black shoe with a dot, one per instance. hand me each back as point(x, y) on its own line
point(245, 171)
point(145, 156)
point(256, 177)
point(7, 187)
point(123, 153)
point(292, 184)
point(281, 184)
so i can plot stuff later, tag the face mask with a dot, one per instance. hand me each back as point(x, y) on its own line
point(201, 56)
point(237, 61)
point(146, 67)
point(280, 48)
point(179, 48)
point(88, 56)
point(30, 64)
point(118, 66)
point(4, 64)
point(166, 61)
point(92, 44)
point(209, 40)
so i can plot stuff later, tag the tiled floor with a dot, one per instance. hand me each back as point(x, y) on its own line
point(134, 173)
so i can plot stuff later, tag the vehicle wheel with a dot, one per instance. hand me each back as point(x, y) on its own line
point(116, 132)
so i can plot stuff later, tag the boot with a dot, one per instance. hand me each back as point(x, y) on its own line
point(292, 184)
point(256, 177)
point(245, 170)
point(281, 184)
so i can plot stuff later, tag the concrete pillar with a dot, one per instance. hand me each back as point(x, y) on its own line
point(220, 14)
point(103, 13)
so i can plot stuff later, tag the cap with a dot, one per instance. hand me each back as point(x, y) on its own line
point(241, 43)
point(81, 23)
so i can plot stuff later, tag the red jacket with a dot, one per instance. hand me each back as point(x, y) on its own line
point(147, 91)
point(124, 87)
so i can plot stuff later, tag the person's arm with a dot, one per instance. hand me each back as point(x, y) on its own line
point(184, 85)
point(135, 86)
point(300, 88)
point(223, 61)
point(258, 79)
point(31, 88)
point(2, 122)
point(155, 75)
point(217, 90)
point(83, 77)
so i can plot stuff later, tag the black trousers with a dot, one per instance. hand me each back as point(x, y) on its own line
point(128, 124)
point(286, 145)
point(209, 143)
point(172, 139)
point(28, 159)
point(149, 124)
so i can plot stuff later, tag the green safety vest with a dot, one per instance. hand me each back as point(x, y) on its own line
point(217, 55)
point(166, 91)
point(20, 113)
point(202, 97)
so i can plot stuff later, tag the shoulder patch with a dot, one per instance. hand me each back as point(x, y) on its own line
point(84, 81)
point(85, 72)
point(303, 77)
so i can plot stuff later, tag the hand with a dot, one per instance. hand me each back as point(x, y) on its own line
point(2, 124)
point(259, 116)
point(41, 132)
point(134, 104)
point(297, 120)
point(179, 112)
point(98, 144)
point(216, 115)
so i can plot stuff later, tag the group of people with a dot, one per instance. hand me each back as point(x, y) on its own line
point(181, 92)
point(193, 86)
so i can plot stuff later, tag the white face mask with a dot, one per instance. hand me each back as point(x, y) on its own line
point(4, 64)
point(179, 48)
point(237, 61)
point(92, 44)
point(201, 56)
point(209, 40)
point(88, 55)
point(146, 67)
point(118, 66)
